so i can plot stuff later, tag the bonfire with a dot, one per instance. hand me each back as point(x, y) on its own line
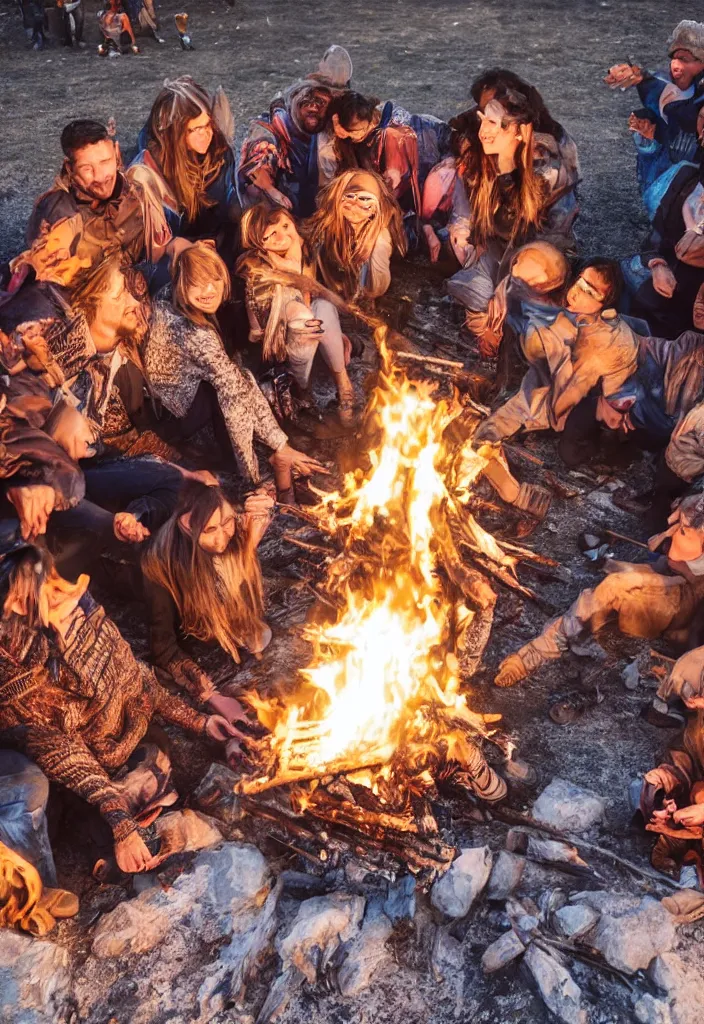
point(380, 719)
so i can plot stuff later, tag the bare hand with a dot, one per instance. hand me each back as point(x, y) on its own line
point(279, 198)
point(33, 504)
point(664, 281)
point(643, 125)
point(227, 707)
point(308, 334)
point(660, 778)
point(392, 177)
point(132, 855)
point(688, 816)
point(434, 244)
point(623, 76)
point(258, 505)
point(218, 728)
point(128, 529)
point(511, 671)
point(290, 458)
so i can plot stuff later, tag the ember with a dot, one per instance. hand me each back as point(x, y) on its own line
point(380, 702)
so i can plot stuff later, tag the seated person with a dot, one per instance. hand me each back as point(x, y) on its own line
point(119, 22)
point(38, 281)
point(578, 355)
point(385, 138)
point(555, 157)
point(648, 600)
point(29, 898)
point(353, 234)
point(507, 201)
point(84, 722)
point(290, 322)
point(184, 351)
point(672, 796)
point(202, 579)
point(117, 213)
point(287, 154)
point(187, 154)
point(664, 280)
point(663, 130)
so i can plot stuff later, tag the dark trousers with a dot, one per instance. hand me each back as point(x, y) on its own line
point(24, 791)
point(668, 318)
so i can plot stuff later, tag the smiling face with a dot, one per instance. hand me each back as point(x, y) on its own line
point(360, 200)
point(217, 533)
point(94, 168)
point(199, 133)
point(588, 293)
point(205, 295)
point(311, 111)
point(497, 136)
point(280, 235)
point(117, 310)
point(684, 68)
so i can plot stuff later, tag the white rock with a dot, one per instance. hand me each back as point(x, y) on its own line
point(575, 921)
point(320, 926)
point(454, 893)
point(649, 1010)
point(505, 875)
point(501, 952)
point(35, 980)
point(683, 986)
point(566, 806)
point(367, 952)
point(631, 932)
point(132, 927)
point(560, 992)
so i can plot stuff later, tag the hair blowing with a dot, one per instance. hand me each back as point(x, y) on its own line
point(480, 172)
point(188, 174)
point(220, 601)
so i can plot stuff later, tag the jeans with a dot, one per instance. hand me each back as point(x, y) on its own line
point(24, 791)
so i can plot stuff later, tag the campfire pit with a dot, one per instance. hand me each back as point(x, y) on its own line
point(378, 726)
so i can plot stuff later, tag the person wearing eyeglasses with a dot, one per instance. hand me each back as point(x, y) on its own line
point(188, 161)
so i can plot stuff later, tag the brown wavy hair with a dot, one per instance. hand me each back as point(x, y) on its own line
point(198, 264)
point(480, 174)
point(224, 604)
point(339, 252)
point(187, 174)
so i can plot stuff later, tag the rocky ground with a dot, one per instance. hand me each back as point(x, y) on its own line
point(179, 951)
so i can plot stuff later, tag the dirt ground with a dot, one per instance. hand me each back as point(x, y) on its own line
point(423, 55)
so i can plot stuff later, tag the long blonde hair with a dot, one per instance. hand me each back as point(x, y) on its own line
point(480, 173)
point(199, 264)
point(223, 603)
point(339, 251)
point(187, 174)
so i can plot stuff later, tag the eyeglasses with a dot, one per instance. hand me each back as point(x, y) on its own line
point(584, 286)
point(366, 199)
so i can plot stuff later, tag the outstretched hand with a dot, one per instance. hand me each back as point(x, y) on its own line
point(132, 855)
point(290, 458)
point(511, 671)
point(623, 76)
point(219, 729)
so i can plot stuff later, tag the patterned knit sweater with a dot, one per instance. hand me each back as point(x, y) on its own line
point(83, 705)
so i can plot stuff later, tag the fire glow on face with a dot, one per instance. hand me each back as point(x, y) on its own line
point(391, 651)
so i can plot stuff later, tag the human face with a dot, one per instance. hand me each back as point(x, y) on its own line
point(94, 168)
point(218, 531)
point(117, 311)
point(312, 111)
point(51, 256)
point(206, 296)
point(588, 293)
point(360, 202)
point(684, 68)
point(356, 132)
point(199, 133)
point(495, 139)
point(280, 235)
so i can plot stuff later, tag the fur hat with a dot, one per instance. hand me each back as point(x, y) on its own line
point(689, 35)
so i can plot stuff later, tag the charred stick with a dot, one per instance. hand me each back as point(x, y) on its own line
point(306, 546)
point(587, 957)
point(516, 818)
point(662, 657)
point(530, 556)
point(431, 360)
point(629, 540)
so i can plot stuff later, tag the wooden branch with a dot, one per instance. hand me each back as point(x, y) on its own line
point(629, 540)
point(305, 546)
point(431, 360)
point(663, 657)
point(516, 818)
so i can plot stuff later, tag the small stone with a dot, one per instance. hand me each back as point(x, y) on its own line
point(504, 951)
point(559, 991)
point(505, 875)
point(631, 932)
point(566, 806)
point(400, 902)
point(367, 952)
point(320, 926)
point(573, 922)
point(631, 675)
point(133, 927)
point(683, 986)
point(649, 1010)
point(454, 893)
